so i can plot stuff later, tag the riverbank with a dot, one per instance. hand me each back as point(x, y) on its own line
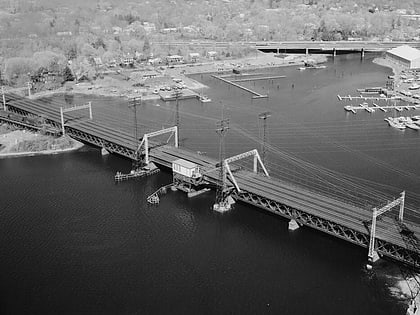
point(131, 83)
point(403, 78)
point(17, 143)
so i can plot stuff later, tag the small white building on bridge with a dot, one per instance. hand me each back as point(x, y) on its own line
point(405, 56)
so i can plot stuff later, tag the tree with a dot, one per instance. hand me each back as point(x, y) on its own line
point(87, 50)
point(134, 45)
point(146, 46)
point(67, 74)
point(49, 60)
point(18, 69)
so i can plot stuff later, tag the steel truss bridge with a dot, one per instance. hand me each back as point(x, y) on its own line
point(395, 239)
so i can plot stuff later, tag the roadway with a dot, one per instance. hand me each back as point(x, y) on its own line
point(298, 46)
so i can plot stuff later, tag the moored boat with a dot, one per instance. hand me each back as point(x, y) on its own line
point(204, 99)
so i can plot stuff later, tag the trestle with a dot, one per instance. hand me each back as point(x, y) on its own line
point(384, 248)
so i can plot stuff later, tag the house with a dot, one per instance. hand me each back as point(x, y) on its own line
point(116, 30)
point(61, 34)
point(155, 61)
point(194, 57)
point(128, 60)
point(98, 61)
point(211, 54)
point(149, 27)
point(405, 55)
point(174, 59)
point(150, 74)
point(168, 30)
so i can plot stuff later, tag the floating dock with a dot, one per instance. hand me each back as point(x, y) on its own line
point(255, 94)
point(365, 98)
point(353, 109)
point(379, 107)
point(260, 78)
point(183, 95)
point(155, 197)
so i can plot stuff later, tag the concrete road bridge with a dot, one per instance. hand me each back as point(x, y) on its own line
point(301, 47)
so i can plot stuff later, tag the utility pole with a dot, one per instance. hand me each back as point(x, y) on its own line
point(133, 104)
point(264, 117)
point(221, 204)
point(177, 94)
point(4, 98)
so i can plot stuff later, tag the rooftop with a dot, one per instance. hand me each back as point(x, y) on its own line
point(405, 52)
point(184, 163)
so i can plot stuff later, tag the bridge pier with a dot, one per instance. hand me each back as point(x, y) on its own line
point(306, 51)
point(372, 259)
point(104, 151)
point(293, 225)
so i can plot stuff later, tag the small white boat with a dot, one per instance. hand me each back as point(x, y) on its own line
point(394, 123)
point(302, 68)
point(415, 86)
point(412, 125)
point(204, 99)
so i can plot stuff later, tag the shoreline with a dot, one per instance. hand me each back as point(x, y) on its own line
point(11, 140)
point(111, 89)
point(44, 152)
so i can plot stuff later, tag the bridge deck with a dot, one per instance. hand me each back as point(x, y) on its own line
point(330, 213)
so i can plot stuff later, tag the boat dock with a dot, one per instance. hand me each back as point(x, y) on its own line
point(379, 107)
point(365, 98)
point(182, 95)
point(353, 109)
point(372, 90)
point(260, 78)
point(154, 198)
point(255, 94)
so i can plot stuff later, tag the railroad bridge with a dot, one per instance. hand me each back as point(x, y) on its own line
point(396, 238)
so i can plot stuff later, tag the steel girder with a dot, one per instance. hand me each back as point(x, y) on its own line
point(86, 137)
point(100, 142)
point(385, 248)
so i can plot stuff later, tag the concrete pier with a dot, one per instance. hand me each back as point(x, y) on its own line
point(372, 260)
point(104, 151)
point(256, 94)
point(293, 225)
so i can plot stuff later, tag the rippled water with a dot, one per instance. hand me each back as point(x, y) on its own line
point(74, 242)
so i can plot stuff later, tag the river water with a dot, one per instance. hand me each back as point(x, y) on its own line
point(73, 241)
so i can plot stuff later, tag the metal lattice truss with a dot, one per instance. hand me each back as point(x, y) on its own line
point(241, 156)
point(145, 142)
point(407, 256)
point(110, 146)
point(100, 142)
